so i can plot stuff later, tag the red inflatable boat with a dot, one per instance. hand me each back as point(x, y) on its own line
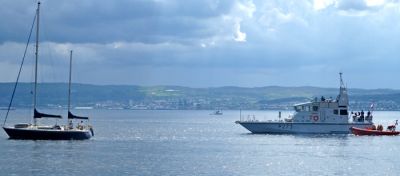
point(361, 131)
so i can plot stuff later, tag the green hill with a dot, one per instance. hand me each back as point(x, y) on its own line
point(178, 97)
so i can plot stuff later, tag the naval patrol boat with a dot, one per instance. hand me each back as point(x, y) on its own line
point(320, 116)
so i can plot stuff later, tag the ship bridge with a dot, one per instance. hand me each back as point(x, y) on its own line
point(324, 110)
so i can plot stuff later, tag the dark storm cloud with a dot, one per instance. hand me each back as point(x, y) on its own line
point(211, 42)
point(108, 21)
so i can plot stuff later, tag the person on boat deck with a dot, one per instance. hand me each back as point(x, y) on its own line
point(354, 115)
point(369, 116)
point(392, 127)
point(322, 98)
point(362, 116)
point(70, 124)
point(380, 128)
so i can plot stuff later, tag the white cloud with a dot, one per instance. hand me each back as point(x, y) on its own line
point(274, 18)
point(322, 4)
point(242, 10)
point(239, 36)
point(354, 8)
point(371, 8)
point(374, 2)
point(353, 13)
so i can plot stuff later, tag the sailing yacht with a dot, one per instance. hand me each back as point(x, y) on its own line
point(36, 131)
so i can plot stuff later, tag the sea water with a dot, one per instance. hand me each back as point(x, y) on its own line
point(142, 142)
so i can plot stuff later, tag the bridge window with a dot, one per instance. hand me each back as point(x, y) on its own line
point(344, 112)
point(302, 108)
point(315, 108)
point(335, 111)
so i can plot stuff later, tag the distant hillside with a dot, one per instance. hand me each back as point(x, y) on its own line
point(178, 97)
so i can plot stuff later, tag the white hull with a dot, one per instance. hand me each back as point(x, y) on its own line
point(324, 116)
point(301, 128)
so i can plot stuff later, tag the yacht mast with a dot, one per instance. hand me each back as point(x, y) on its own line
point(69, 83)
point(36, 60)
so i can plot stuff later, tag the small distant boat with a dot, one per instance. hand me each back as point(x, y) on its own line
point(217, 112)
point(371, 132)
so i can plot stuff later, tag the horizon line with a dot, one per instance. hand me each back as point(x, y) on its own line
point(205, 87)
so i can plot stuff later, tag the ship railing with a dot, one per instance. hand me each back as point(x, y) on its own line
point(252, 118)
point(362, 119)
point(248, 118)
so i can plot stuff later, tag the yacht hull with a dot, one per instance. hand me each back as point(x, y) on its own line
point(300, 128)
point(38, 134)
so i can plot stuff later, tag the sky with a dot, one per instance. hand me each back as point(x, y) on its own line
point(207, 43)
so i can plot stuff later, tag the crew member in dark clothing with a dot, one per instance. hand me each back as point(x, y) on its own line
point(354, 116)
point(362, 116)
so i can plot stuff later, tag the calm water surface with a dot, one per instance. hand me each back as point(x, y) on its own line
point(196, 143)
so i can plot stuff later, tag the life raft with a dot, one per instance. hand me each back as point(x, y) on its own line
point(371, 132)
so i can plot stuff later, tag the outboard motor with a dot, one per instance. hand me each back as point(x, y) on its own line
point(91, 131)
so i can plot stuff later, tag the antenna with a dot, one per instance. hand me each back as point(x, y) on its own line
point(341, 80)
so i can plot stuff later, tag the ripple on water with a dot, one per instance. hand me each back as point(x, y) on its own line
point(194, 143)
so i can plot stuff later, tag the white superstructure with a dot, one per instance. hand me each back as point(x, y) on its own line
point(318, 116)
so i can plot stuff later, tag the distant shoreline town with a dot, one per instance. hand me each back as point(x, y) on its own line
point(88, 96)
